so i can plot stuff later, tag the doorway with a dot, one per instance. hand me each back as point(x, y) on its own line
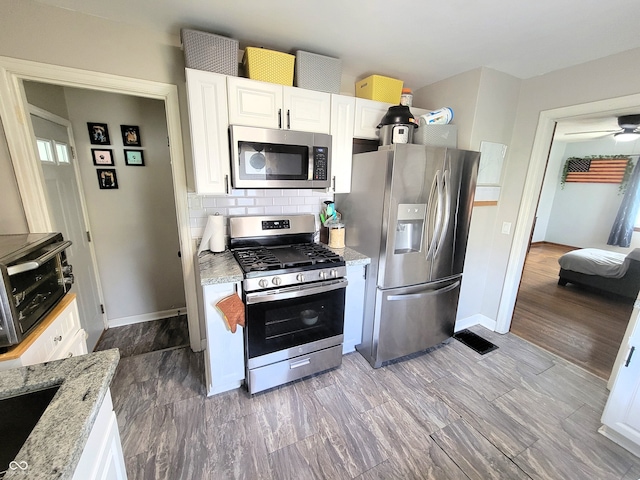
point(19, 137)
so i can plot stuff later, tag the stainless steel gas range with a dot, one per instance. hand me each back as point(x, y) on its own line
point(294, 296)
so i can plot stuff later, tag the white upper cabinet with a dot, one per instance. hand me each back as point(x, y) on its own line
point(269, 105)
point(207, 97)
point(369, 113)
point(342, 121)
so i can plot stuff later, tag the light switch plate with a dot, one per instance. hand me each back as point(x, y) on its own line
point(506, 228)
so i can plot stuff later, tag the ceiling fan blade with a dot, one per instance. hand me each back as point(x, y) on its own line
point(593, 131)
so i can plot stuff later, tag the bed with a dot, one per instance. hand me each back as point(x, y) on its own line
point(602, 270)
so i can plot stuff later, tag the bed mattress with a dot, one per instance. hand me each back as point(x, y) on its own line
point(593, 261)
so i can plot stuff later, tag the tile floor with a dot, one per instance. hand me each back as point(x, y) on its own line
point(518, 412)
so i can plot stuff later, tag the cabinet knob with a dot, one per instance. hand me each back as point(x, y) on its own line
point(70, 355)
point(57, 339)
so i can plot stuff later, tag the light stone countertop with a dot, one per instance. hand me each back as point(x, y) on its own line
point(221, 267)
point(55, 445)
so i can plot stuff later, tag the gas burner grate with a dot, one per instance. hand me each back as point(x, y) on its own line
point(257, 259)
point(317, 253)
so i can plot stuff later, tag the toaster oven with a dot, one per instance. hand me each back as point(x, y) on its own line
point(35, 276)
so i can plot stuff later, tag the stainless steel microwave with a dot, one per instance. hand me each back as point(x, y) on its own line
point(271, 158)
point(34, 276)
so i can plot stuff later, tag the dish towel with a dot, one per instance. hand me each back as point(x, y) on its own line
point(232, 310)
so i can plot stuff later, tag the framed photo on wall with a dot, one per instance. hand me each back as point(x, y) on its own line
point(134, 157)
point(102, 156)
point(98, 133)
point(131, 136)
point(107, 179)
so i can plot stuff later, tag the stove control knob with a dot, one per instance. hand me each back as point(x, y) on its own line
point(300, 277)
point(276, 281)
point(323, 275)
point(334, 273)
point(263, 283)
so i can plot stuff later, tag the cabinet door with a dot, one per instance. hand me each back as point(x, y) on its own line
point(354, 307)
point(620, 418)
point(306, 110)
point(253, 103)
point(342, 121)
point(76, 346)
point(369, 113)
point(207, 96)
point(224, 354)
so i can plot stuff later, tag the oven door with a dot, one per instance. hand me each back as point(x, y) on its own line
point(288, 322)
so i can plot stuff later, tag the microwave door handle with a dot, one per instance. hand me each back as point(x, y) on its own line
point(38, 262)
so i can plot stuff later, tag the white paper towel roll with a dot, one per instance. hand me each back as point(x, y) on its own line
point(213, 236)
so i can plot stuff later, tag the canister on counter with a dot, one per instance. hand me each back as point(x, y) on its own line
point(336, 235)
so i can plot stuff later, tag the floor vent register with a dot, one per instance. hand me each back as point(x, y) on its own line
point(475, 342)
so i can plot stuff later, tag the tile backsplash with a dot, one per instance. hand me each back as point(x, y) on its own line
point(252, 202)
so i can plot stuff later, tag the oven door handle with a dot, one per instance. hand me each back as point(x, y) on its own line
point(38, 262)
point(294, 292)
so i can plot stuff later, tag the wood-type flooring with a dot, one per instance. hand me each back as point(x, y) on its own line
point(518, 412)
point(580, 325)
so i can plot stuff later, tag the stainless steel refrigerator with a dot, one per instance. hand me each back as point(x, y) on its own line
point(409, 210)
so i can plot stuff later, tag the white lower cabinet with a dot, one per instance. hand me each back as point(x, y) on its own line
point(224, 354)
point(354, 307)
point(58, 336)
point(102, 457)
point(621, 417)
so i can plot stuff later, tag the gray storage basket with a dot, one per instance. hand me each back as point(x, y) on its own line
point(210, 52)
point(436, 135)
point(318, 72)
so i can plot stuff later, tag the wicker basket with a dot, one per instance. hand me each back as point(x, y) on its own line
point(379, 88)
point(269, 65)
point(210, 52)
point(317, 72)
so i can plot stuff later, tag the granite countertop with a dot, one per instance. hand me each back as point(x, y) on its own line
point(55, 445)
point(221, 267)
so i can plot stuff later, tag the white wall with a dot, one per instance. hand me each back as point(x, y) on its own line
point(550, 185)
point(134, 227)
point(12, 219)
point(582, 213)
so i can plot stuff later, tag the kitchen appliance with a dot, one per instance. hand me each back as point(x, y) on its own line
point(409, 210)
point(272, 158)
point(294, 296)
point(35, 277)
point(397, 125)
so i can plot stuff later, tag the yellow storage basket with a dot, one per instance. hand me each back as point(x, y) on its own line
point(379, 88)
point(269, 65)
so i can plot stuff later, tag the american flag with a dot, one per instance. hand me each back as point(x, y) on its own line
point(596, 170)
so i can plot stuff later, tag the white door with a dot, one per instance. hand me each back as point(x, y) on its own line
point(54, 142)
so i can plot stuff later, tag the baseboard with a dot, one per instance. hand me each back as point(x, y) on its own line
point(146, 317)
point(476, 319)
point(624, 442)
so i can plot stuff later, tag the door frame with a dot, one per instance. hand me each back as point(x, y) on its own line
point(531, 195)
point(52, 117)
point(14, 114)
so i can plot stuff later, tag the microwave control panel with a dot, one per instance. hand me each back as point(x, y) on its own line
point(320, 163)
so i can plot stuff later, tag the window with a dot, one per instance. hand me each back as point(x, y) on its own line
point(45, 151)
point(62, 153)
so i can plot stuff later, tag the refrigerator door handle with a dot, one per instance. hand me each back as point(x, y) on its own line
point(447, 211)
point(438, 214)
point(424, 294)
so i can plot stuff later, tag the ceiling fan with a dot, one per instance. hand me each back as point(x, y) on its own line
point(629, 129)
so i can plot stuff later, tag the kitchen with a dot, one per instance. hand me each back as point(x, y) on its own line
point(488, 248)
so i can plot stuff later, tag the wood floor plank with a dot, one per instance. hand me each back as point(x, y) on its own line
point(579, 325)
point(506, 433)
point(478, 458)
point(344, 435)
point(414, 454)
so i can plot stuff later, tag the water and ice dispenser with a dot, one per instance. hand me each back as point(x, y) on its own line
point(410, 227)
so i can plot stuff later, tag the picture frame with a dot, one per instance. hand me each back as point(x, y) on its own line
point(98, 133)
point(134, 158)
point(107, 178)
point(102, 156)
point(131, 135)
